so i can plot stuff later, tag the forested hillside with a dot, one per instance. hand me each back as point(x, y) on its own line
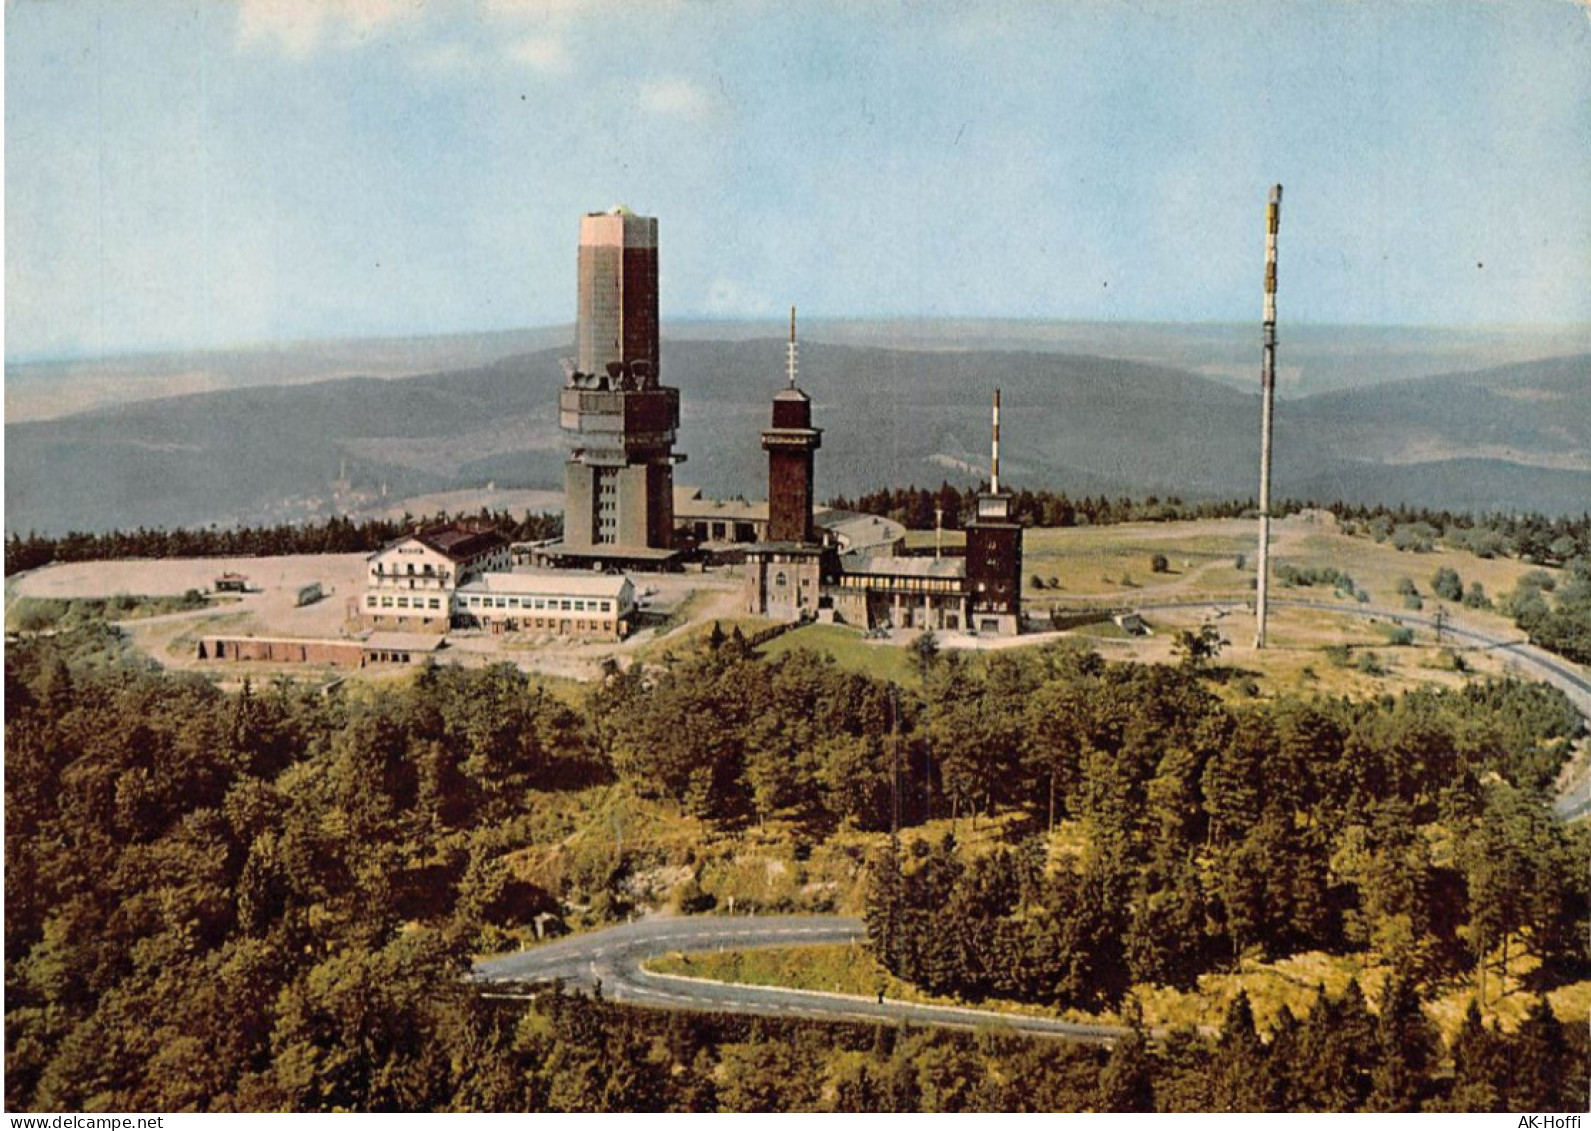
point(1087, 425)
point(268, 898)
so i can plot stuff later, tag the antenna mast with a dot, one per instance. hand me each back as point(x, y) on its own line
point(994, 453)
point(790, 356)
point(1273, 222)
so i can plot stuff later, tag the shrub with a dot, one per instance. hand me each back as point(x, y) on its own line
point(1446, 584)
point(1159, 564)
point(1370, 664)
point(1476, 597)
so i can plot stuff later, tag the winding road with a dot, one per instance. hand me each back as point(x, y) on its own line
point(614, 959)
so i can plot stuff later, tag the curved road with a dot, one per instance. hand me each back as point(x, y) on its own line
point(614, 958)
point(1575, 798)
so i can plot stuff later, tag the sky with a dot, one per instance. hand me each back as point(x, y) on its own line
point(204, 174)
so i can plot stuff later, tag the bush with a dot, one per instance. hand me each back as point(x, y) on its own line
point(1476, 597)
point(1400, 637)
point(1406, 587)
point(1159, 564)
point(1413, 602)
point(1415, 537)
point(1446, 584)
point(1370, 664)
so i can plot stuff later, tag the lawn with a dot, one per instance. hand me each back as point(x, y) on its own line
point(1291, 982)
point(878, 659)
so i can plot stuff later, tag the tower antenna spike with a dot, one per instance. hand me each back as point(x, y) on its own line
point(994, 449)
point(1273, 223)
point(790, 357)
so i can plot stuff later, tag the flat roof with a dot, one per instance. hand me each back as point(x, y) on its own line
point(888, 565)
point(723, 510)
point(609, 552)
point(575, 583)
point(858, 531)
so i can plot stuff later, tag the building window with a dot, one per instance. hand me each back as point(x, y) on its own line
point(386, 602)
point(403, 602)
point(370, 601)
point(436, 602)
point(779, 579)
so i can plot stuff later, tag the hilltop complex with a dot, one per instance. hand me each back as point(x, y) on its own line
point(623, 513)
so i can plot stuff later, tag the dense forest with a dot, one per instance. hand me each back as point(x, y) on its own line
point(267, 899)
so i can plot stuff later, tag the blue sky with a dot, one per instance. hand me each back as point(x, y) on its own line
point(204, 174)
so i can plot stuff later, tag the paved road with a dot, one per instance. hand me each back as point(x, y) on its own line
point(614, 958)
point(1575, 798)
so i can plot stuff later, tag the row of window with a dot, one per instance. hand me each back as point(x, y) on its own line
point(553, 624)
point(403, 602)
point(553, 603)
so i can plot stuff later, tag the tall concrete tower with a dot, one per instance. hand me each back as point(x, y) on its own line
point(620, 420)
point(994, 554)
point(790, 444)
point(617, 319)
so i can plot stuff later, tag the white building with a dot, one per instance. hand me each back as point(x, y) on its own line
point(563, 602)
point(410, 583)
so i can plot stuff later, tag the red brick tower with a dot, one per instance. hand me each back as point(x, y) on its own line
point(790, 444)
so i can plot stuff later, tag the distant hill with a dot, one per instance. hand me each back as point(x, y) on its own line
point(1517, 437)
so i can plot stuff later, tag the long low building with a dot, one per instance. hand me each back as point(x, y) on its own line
point(564, 602)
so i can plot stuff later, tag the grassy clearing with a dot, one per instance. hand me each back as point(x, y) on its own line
point(1291, 982)
point(874, 658)
point(41, 614)
point(841, 968)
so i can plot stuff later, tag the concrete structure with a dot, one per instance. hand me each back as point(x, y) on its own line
point(620, 420)
point(723, 522)
point(737, 522)
point(994, 555)
point(786, 580)
point(577, 604)
point(410, 583)
point(380, 648)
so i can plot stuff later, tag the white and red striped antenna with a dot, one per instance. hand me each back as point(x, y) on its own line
point(994, 454)
point(1273, 223)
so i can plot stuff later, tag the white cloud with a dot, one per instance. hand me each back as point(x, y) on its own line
point(299, 28)
point(676, 97)
point(544, 53)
